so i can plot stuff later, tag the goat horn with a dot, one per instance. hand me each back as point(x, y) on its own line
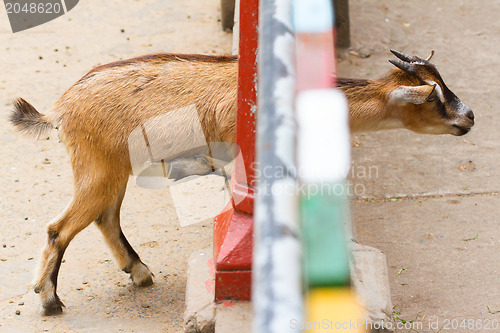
point(401, 65)
point(429, 57)
point(402, 56)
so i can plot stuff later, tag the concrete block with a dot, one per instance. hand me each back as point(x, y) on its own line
point(234, 317)
point(199, 316)
point(370, 280)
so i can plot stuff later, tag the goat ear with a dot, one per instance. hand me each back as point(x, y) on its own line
point(403, 95)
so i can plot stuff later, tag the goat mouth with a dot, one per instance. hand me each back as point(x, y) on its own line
point(461, 130)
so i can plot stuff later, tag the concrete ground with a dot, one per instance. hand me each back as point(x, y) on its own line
point(428, 202)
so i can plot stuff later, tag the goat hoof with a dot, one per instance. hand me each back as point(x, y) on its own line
point(37, 289)
point(52, 308)
point(141, 275)
point(144, 283)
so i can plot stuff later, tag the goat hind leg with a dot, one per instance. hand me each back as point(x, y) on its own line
point(85, 206)
point(60, 233)
point(45, 282)
point(128, 260)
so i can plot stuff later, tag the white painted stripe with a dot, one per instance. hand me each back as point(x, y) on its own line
point(324, 149)
point(312, 16)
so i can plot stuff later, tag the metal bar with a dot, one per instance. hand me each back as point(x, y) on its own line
point(247, 106)
point(233, 228)
point(277, 286)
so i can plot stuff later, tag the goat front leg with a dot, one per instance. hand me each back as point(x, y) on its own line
point(128, 260)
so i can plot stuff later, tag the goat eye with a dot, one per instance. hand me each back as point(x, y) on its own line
point(431, 98)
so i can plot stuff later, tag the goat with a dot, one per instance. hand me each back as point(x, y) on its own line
point(99, 114)
point(414, 97)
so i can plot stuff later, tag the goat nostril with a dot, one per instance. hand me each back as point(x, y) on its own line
point(470, 115)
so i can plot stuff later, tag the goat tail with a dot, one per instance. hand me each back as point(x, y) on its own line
point(28, 120)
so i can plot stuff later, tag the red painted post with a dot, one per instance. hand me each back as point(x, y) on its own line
point(233, 229)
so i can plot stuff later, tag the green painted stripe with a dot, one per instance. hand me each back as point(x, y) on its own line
point(323, 216)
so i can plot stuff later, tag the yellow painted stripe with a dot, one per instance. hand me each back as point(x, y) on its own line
point(333, 310)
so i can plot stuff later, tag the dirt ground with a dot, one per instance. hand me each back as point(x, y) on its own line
point(36, 184)
point(429, 202)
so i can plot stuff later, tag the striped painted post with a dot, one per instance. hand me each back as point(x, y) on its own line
point(323, 156)
point(277, 285)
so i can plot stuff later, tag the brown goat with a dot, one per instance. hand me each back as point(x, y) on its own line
point(99, 114)
point(414, 97)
